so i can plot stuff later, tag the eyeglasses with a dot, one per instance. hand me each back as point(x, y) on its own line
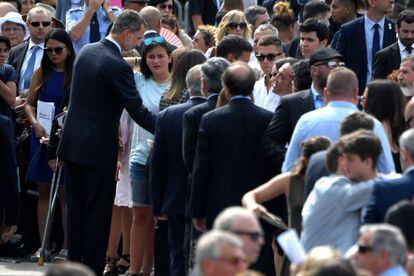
point(13, 29)
point(235, 260)
point(363, 248)
point(331, 64)
point(269, 57)
point(165, 6)
point(56, 50)
point(234, 25)
point(37, 24)
point(156, 40)
point(253, 235)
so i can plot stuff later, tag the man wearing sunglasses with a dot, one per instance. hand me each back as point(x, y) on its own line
point(136, 5)
point(102, 86)
point(380, 250)
point(89, 23)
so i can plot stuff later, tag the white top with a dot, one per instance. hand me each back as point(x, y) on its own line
point(150, 92)
point(268, 100)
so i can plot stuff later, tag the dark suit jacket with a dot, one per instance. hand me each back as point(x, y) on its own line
point(352, 46)
point(279, 132)
point(102, 86)
point(191, 123)
point(228, 161)
point(9, 194)
point(386, 61)
point(386, 193)
point(168, 176)
point(16, 58)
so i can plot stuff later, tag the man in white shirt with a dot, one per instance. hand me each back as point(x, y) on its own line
point(269, 50)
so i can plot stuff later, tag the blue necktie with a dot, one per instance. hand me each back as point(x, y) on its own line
point(375, 41)
point(27, 77)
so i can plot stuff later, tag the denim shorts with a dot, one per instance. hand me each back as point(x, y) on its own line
point(139, 178)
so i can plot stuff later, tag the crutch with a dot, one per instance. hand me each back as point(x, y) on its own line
point(54, 193)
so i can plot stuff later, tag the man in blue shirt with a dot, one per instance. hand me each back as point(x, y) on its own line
point(341, 95)
point(90, 22)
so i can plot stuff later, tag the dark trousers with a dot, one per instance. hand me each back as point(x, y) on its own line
point(90, 196)
point(161, 258)
point(176, 232)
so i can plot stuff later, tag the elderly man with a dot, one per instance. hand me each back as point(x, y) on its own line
point(381, 250)
point(406, 75)
point(245, 224)
point(219, 253)
point(388, 192)
point(14, 28)
point(257, 15)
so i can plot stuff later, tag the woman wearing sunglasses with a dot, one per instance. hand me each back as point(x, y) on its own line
point(50, 83)
point(234, 22)
point(152, 80)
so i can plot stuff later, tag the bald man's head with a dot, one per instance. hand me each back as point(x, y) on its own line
point(152, 17)
point(342, 84)
point(6, 7)
point(239, 79)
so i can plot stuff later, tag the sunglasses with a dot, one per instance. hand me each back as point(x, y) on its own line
point(165, 6)
point(253, 235)
point(362, 248)
point(331, 64)
point(156, 40)
point(234, 25)
point(56, 50)
point(37, 24)
point(235, 260)
point(269, 57)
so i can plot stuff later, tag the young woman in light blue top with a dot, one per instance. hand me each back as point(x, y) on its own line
point(152, 80)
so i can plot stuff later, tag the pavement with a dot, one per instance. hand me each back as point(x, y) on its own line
point(10, 267)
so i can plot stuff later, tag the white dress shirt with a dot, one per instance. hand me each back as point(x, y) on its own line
point(264, 98)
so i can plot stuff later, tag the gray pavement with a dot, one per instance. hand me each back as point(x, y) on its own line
point(22, 269)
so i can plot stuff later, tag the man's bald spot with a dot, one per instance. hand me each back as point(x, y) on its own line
point(6, 7)
point(152, 17)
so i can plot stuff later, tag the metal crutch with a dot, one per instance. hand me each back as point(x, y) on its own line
point(54, 193)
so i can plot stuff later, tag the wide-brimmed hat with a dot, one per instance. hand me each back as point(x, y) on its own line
point(15, 17)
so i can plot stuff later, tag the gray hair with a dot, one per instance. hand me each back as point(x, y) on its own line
point(211, 72)
point(385, 237)
point(127, 20)
point(409, 58)
point(267, 27)
point(38, 10)
point(225, 220)
point(407, 142)
point(252, 13)
point(210, 244)
point(193, 79)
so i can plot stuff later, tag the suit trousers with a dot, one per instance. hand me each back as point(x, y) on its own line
point(176, 232)
point(90, 196)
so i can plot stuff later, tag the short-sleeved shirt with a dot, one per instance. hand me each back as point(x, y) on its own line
point(7, 74)
point(74, 15)
point(206, 8)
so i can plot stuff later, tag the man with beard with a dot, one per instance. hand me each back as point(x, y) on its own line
point(406, 76)
point(340, 95)
point(292, 106)
point(389, 58)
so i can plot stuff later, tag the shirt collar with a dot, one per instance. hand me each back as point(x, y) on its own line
point(315, 92)
point(114, 42)
point(401, 46)
point(370, 23)
point(196, 97)
point(212, 95)
point(342, 104)
point(395, 270)
point(31, 44)
point(240, 97)
point(409, 169)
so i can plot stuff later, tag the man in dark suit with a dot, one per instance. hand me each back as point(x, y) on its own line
point(228, 160)
point(168, 175)
point(362, 38)
point(293, 106)
point(388, 192)
point(388, 59)
point(9, 194)
point(211, 72)
point(102, 86)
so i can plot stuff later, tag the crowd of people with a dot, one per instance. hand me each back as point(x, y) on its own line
point(195, 146)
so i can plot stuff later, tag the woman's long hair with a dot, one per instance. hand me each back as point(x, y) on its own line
point(308, 148)
point(185, 61)
point(233, 16)
point(385, 101)
point(47, 65)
